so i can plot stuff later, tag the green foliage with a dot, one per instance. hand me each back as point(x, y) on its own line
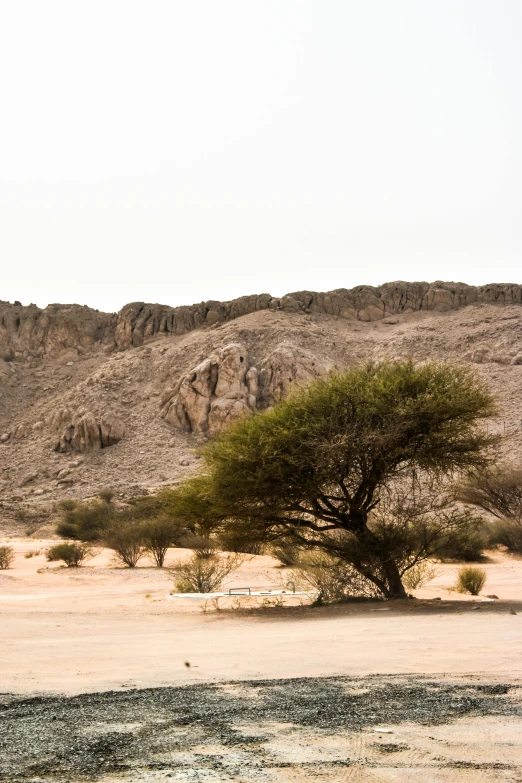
point(85, 521)
point(7, 556)
point(125, 538)
point(158, 534)
point(72, 554)
point(419, 575)
point(317, 468)
point(471, 580)
point(204, 574)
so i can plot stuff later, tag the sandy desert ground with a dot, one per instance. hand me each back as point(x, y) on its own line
point(102, 628)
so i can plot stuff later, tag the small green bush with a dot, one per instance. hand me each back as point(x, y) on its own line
point(158, 535)
point(73, 554)
point(419, 575)
point(204, 574)
point(125, 538)
point(85, 521)
point(471, 580)
point(6, 557)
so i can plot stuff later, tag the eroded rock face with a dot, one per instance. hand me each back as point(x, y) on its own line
point(83, 432)
point(27, 332)
point(219, 390)
point(286, 367)
point(223, 387)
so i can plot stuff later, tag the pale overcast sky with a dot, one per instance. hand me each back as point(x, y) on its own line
point(180, 150)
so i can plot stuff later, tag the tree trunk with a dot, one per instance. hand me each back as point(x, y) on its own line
point(394, 587)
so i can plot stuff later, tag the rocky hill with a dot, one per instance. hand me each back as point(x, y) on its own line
point(91, 400)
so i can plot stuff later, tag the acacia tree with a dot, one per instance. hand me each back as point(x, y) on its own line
point(320, 466)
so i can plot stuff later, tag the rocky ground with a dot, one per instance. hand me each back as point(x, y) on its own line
point(331, 729)
point(90, 401)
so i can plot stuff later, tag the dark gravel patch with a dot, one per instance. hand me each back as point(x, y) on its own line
point(64, 739)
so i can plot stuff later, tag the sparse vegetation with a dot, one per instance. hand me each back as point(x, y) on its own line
point(106, 495)
point(467, 544)
point(334, 580)
point(125, 538)
point(204, 574)
point(352, 466)
point(496, 489)
point(31, 553)
point(85, 521)
point(471, 579)
point(72, 554)
point(286, 552)
point(158, 534)
point(419, 575)
point(7, 556)
point(508, 534)
point(204, 547)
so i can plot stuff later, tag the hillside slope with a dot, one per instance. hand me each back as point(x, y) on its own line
point(76, 380)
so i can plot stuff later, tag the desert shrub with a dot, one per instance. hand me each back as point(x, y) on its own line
point(204, 574)
point(467, 544)
point(125, 538)
point(72, 554)
point(158, 534)
point(85, 521)
point(508, 534)
point(419, 575)
point(6, 557)
point(471, 579)
point(202, 546)
point(334, 579)
point(106, 495)
point(31, 553)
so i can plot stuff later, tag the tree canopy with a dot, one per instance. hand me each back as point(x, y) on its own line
point(340, 466)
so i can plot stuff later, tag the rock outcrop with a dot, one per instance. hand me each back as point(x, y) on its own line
point(286, 367)
point(223, 387)
point(83, 432)
point(27, 332)
point(217, 391)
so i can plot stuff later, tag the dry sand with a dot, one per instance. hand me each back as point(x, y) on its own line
point(101, 628)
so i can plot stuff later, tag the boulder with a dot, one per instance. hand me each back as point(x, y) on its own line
point(84, 432)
